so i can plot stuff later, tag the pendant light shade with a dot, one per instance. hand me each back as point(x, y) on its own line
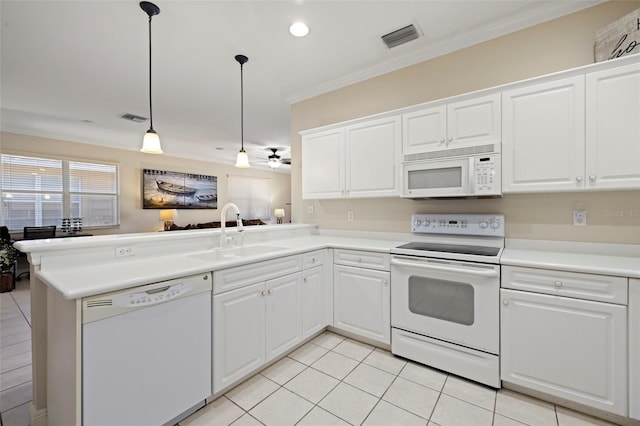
point(242, 160)
point(151, 141)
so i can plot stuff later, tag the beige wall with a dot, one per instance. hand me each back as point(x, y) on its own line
point(554, 46)
point(132, 217)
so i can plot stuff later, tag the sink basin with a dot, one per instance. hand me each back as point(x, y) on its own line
point(218, 255)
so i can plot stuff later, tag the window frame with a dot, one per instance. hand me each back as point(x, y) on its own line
point(67, 194)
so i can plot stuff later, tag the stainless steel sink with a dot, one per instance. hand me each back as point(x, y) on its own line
point(220, 254)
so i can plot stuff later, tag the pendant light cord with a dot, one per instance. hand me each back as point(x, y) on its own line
point(241, 109)
point(150, 103)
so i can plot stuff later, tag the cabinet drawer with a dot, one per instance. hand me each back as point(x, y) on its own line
point(362, 259)
point(312, 259)
point(240, 276)
point(600, 288)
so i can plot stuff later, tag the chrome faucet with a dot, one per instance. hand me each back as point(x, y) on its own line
point(223, 223)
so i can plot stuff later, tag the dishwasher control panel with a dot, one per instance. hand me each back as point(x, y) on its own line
point(153, 296)
point(118, 302)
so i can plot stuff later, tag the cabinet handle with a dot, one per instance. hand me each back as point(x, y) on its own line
point(386, 282)
point(579, 178)
point(262, 292)
point(505, 302)
point(449, 140)
point(269, 291)
point(558, 284)
point(441, 141)
point(592, 178)
point(313, 260)
point(305, 279)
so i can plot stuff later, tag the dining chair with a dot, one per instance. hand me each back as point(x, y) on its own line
point(36, 233)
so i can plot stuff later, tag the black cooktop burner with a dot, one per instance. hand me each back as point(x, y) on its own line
point(452, 248)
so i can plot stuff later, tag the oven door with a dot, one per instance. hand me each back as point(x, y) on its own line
point(454, 301)
point(441, 178)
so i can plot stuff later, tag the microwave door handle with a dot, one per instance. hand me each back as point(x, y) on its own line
point(465, 270)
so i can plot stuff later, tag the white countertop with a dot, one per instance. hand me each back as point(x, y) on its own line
point(604, 259)
point(82, 281)
point(87, 266)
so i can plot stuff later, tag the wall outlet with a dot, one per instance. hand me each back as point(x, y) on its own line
point(349, 216)
point(580, 217)
point(310, 208)
point(124, 251)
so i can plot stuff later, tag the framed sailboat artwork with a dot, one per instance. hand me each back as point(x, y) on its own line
point(163, 189)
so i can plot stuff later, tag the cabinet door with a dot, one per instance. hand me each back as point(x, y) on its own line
point(634, 348)
point(573, 349)
point(312, 301)
point(238, 334)
point(543, 137)
point(362, 302)
point(283, 314)
point(323, 164)
point(373, 158)
point(613, 128)
point(424, 130)
point(474, 122)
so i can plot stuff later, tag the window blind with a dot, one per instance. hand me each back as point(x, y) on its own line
point(41, 191)
point(252, 196)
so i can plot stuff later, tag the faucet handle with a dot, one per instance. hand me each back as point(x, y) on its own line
point(239, 225)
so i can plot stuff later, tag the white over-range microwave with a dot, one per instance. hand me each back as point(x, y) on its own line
point(471, 175)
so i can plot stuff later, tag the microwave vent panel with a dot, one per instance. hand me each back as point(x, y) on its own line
point(447, 153)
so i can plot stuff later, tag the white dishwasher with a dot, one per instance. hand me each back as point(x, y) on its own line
point(146, 353)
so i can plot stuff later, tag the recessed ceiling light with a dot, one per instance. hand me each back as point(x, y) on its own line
point(299, 29)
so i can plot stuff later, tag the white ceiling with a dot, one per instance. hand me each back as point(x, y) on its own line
point(69, 69)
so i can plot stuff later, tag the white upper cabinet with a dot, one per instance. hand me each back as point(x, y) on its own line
point(543, 136)
point(574, 133)
point(459, 124)
point(323, 164)
point(357, 160)
point(613, 128)
point(373, 154)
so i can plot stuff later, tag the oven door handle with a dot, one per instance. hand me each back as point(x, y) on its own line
point(464, 270)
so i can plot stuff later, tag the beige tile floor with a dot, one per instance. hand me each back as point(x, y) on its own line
point(333, 380)
point(15, 355)
point(328, 381)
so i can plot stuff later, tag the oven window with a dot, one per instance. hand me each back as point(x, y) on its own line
point(447, 177)
point(450, 301)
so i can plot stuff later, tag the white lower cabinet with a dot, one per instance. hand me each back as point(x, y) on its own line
point(362, 299)
point(253, 325)
point(570, 348)
point(238, 334)
point(313, 317)
point(634, 348)
point(263, 310)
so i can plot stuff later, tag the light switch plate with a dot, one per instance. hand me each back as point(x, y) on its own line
point(580, 217)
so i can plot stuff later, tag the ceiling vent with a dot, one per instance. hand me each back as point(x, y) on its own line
point(400, 36)
point(134, 118)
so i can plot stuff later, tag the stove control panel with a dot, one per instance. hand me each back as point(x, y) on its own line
point(459, 224)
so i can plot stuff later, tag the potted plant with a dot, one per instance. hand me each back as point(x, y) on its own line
point(7, 261)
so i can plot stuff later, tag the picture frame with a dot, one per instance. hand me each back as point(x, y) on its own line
point(162, 189)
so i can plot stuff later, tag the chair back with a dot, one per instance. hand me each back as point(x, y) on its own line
point(39, 232)
point(5, 236)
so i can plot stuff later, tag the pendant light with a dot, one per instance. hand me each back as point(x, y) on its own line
point(242, 160)
point(151, 141)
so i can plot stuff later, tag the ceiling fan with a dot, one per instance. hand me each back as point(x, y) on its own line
point(274, 160)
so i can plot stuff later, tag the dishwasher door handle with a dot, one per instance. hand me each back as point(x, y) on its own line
point(458, 269)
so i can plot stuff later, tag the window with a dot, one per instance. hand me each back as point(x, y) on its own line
point(43, 191)
point(252, 196)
